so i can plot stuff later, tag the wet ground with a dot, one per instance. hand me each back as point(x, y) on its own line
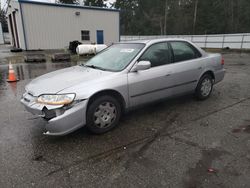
point(178, 143)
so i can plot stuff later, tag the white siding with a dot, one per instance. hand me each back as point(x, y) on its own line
point(53, 27)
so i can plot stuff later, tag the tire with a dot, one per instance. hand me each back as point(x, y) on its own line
point(103, 114)
point(204, 87)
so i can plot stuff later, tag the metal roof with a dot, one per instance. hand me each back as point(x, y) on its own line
point(69, 5)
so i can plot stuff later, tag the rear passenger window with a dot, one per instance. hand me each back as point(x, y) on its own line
point(184, 51)
point(158, 54)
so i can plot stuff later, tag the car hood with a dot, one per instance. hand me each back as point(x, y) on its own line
point(57, 81)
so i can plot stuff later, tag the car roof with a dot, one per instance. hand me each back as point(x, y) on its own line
point(152, 41)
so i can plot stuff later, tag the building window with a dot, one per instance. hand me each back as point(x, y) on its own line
point(85, 35)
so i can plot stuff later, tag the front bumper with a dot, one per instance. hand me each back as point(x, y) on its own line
point(65, 120)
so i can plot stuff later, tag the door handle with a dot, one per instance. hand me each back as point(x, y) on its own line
point(199, 68)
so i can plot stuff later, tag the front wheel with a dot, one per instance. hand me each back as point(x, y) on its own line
point(103, 114)
point(204, 87)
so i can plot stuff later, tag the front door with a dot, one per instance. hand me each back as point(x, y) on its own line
point(154, 83)
point(99, 36)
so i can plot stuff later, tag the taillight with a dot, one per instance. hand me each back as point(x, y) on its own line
point(222, 61)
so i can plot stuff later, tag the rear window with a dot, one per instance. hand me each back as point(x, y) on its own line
point(184, 51)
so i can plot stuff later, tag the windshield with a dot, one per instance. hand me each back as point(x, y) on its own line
point(116, 57)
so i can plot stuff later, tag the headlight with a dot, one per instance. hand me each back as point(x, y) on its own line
point(59, 99)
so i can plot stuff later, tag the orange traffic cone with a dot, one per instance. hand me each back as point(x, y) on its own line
point(12, 75)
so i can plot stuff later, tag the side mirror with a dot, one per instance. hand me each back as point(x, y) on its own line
point(141, 65)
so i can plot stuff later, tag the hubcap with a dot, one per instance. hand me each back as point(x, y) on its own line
point(105, 115)
point(206, 87)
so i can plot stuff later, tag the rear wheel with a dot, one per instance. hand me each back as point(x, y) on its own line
point(204, 87)
point(103, 114)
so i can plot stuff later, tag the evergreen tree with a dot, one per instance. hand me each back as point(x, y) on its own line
point(98, 3)
point(147, 17)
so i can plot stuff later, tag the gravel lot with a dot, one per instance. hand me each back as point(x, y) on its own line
point(181, 142)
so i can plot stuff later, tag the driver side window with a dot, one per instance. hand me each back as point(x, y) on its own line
point(158, 54)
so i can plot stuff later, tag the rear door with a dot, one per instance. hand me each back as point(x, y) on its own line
point(187, 66)
point(154, 83)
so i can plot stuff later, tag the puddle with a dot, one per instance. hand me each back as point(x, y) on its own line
point(32, 70)
point(27, 71)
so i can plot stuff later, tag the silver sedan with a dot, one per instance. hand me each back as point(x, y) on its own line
point(121, 77)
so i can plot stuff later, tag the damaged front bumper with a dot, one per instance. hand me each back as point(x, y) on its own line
point(60, 119)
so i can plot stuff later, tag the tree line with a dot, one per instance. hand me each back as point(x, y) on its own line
point(167, 17)
point(176, 17)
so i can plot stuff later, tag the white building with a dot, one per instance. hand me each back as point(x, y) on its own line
point(38, 25)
